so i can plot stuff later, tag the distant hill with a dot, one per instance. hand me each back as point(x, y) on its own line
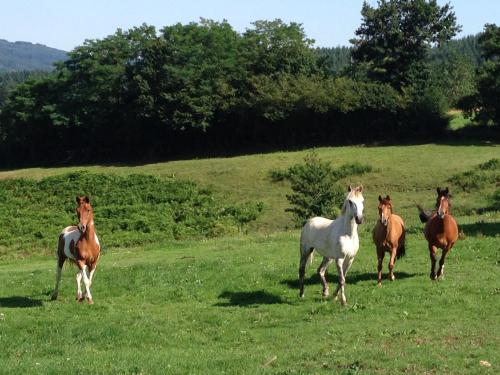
point(19, 56)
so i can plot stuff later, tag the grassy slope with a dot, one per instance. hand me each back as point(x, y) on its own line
point(231, 304)
point(408, 174)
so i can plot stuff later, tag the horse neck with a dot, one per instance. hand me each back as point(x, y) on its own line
point(349, 225)
point(89, 234)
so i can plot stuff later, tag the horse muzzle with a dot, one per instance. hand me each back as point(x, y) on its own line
point(82, 228)
point(384, 221)
point(358, 219)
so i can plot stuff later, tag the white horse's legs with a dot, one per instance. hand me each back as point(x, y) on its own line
point(340, 287)
point(321, 272)
point(304, 256)
point(79, 295)
point(58, 281)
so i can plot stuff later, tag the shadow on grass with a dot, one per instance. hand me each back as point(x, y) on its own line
point(244, 299)
point(485, 229)
point(352, 278)
point(18, 301)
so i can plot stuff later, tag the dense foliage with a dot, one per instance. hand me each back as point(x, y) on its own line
point(129, 210)
point(484, 105)
point(393, 39)
point(203, 87)
point(20, 56)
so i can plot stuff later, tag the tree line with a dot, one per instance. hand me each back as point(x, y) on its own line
point(203, 87)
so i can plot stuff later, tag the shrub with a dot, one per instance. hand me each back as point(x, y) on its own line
point(129, 210)
point(316, 191)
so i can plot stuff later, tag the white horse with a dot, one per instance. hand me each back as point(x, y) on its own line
point(334, 239)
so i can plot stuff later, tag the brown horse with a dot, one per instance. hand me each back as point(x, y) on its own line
point(441, 231)
point(388, 236)
point(80, 245)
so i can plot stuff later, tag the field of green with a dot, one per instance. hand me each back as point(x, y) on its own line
point(230, 304)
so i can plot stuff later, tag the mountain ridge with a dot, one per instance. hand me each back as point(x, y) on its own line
point(22, 55)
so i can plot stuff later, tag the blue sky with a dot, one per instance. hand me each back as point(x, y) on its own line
point(64, 24)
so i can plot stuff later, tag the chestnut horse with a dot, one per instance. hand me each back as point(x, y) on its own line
point(334, 239)
point(81, 246)
point(388, 236)
point(441, 231)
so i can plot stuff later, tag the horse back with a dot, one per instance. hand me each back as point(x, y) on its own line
point(315, 232)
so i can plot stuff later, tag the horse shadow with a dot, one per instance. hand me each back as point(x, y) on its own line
point(246, 299)
point(19, 302)
point(352, 278)
point(480, 228)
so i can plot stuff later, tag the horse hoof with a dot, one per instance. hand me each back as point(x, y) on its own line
point(379, 284)
point(53, 298)
point(90, 301)
point(80, 299)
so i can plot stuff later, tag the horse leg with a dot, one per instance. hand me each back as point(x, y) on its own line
point(432, 252)
point(391, 263)
point(321, 272)
point(380, 256)
point(304, 256)
point(340, 288)
point(440, 272)
point(86, 281)
point(60, 263)
point(79, 295)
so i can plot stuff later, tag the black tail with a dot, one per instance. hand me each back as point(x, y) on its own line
point(401, 252)
point(424, 216)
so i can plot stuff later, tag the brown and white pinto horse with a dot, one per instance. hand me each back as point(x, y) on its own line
point(80, 245)
point(441, 231)
point(388, 236)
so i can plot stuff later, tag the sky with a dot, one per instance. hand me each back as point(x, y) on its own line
point(65, 24)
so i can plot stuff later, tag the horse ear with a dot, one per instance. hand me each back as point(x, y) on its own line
point(387, 197)
point(360, 188)
point(77, 199)
point(349, 188)
point(447, 190)
point(87, 199)
point(438, 190)
point(380, 198)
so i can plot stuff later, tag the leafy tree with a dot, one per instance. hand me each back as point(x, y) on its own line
point(276, 47)
point(394, 38)
point(485, 105)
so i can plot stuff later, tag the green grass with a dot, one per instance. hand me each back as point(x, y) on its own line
point(408, 174)
point(230, 304)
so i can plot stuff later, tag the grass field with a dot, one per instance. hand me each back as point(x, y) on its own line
point(231, 305)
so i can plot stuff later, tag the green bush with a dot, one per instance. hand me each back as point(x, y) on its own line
point(129, 210)
point(478, 178)
point(316, 191)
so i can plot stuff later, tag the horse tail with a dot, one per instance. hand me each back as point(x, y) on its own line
point(401, 251)
point(424, 216)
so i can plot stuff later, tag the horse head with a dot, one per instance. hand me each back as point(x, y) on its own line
point(84, 212)
point(442, 193)
point(444, 207)
point(384, 209)
point(355, 203)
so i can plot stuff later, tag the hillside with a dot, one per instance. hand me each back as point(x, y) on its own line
point(230, 304)
point(17, 56)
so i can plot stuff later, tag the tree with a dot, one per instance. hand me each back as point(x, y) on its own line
point(394, 38)
point(488, 80)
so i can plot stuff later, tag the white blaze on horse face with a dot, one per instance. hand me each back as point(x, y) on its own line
point(441, 211)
